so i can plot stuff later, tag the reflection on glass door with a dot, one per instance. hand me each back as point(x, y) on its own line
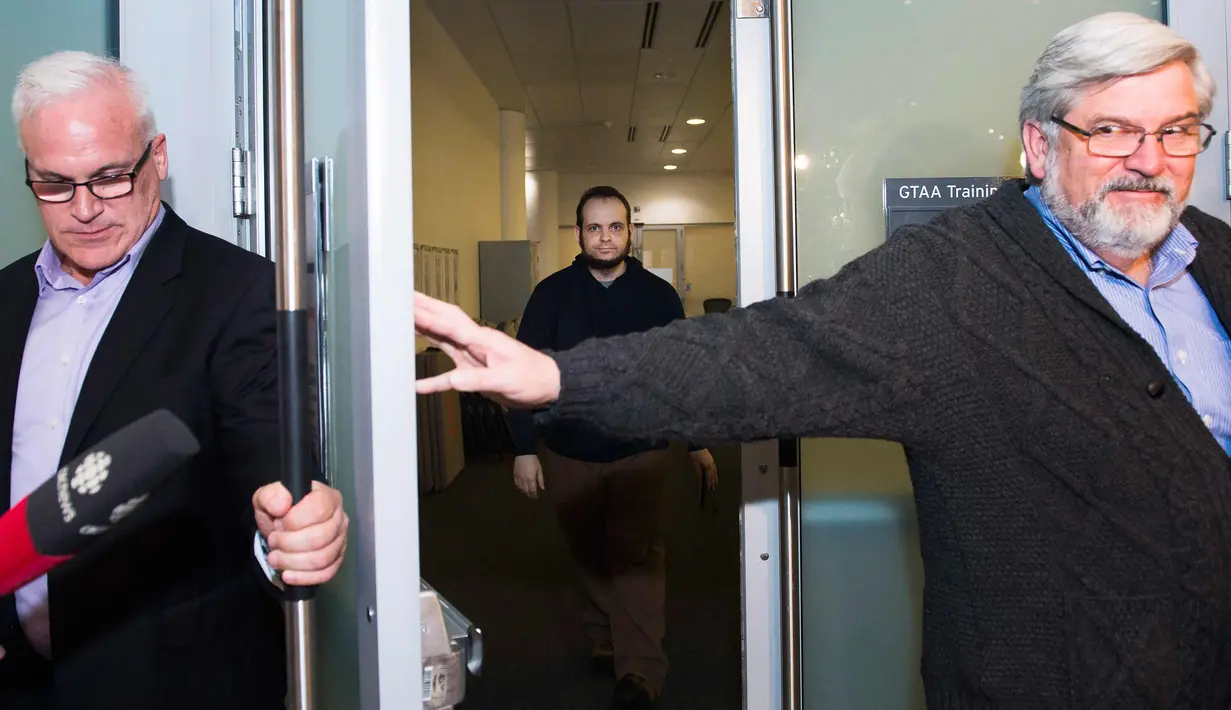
point(889, 89)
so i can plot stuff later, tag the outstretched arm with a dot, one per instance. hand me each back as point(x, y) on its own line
point(847, 357)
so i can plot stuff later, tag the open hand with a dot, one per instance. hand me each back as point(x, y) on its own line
point(485, 360)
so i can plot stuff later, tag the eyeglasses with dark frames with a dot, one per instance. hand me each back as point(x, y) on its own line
point(1116, 141)
point(108, 187)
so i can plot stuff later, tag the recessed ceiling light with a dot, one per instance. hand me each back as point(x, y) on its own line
point(679, 151)
point(669, 167)
point(695, 121)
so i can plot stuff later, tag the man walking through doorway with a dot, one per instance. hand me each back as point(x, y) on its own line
point(607, 491)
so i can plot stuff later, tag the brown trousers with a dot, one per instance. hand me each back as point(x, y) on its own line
point(611, 516)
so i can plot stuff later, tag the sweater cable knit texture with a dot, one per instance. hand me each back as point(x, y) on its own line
point(1074, 510)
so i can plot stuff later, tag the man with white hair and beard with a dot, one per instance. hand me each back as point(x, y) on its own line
point(1055, 361)
point(607, 491)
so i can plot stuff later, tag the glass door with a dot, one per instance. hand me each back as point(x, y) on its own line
point(886, 94)
point(928, 90)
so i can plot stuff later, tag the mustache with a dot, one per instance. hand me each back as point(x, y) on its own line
point(1138, 184)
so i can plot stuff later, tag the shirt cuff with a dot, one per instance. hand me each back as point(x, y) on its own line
point(261, 549)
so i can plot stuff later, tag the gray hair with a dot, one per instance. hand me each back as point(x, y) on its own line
point(63, 74)
point(1101, 49)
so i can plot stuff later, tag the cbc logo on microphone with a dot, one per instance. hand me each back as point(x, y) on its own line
point(88, 479)
point(92, 473)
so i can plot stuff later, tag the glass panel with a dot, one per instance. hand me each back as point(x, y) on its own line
point(890, 89)
point(28, 31)
point(328, 120)
point(658, 253)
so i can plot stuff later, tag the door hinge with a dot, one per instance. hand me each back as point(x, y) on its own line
point(239, 182)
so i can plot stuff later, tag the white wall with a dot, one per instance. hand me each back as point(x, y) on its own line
point(687, 198)
point(189, 73)
point(30, 30)
point(456, 157)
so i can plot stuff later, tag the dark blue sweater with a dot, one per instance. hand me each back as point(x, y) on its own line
point(570, 307)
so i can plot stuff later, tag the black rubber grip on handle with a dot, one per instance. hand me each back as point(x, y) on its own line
point(788, 453)
point(297, 464)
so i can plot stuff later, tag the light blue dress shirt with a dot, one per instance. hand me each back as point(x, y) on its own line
point(1171, 312)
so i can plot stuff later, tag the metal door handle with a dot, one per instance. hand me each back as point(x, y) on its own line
point(788, 454)
point(321, 176)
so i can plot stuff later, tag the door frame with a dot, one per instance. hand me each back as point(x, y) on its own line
point(755, 230)
point(383, 342)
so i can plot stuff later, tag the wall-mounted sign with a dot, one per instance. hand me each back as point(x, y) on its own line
point(918, 200)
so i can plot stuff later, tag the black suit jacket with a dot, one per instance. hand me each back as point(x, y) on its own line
point(170, 611)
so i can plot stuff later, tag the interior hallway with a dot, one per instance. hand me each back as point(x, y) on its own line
point(499, 558)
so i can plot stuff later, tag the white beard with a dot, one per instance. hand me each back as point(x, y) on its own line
point(1126, 231)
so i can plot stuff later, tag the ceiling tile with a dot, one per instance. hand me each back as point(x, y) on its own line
point(710, 90)
point(533, 26)
point(672, 67)
point(611, 67)
point(607, 102)
point(556, 105)
point(657, 104)
point(718, 150)
point(602, 28)
point(544, 68)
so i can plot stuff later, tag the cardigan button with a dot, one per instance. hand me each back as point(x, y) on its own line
point(1156, 388)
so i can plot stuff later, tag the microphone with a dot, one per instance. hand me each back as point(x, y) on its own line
point(89, 495)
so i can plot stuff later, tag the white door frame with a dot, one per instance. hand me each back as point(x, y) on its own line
point(383, 343)
point(761, 599)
